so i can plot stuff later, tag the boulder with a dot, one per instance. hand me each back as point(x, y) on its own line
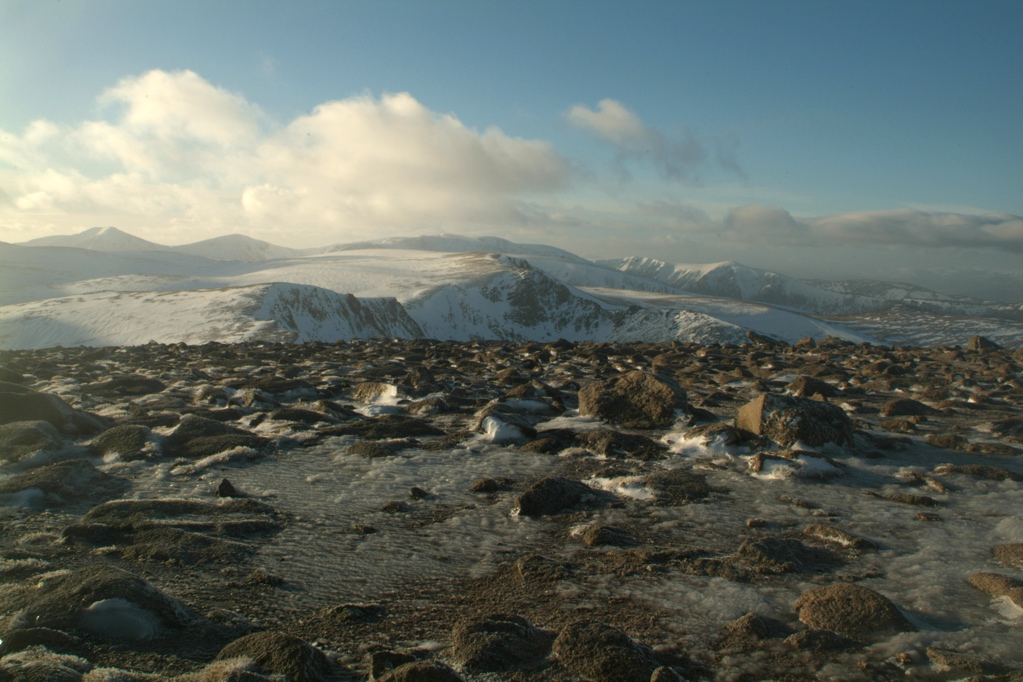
point(422, 671)
point(979, 343)
point(787, 420)
point(599, 652)
point(497, 643)
point(18, 404)
point(851, 610)
point(126, 441)
point(281, 653)
point(805, 386)
point(618, 445)
point(636, 399)
point(105, 601)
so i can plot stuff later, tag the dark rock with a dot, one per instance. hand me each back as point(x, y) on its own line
point(751, 629)
point(20, 439)
point(297, 414)
point(992, 448)
point(601, 653)
point(905, 407)
point(949, 441)
point(786, 420)
point(603, 535)
point(552, 495)
point(992, 473)
point(372, 449)
point(396, 507)
point(979, 343)
point(491, 485)
point(635, 399)
point(781, 555)
point(19, 404)
point(127, 385)
point(166, 544)
point(382, 662)
point(422, 671)
point(428, 406)
point(805, 386)
point(851, 610)
point(821, 640)
point(382, 427)
point(679, 486)
point(1010, 554)
point(19, 640)
point(536, 569)
point(620, 445)
point(998, 585)
point(281, 653)
point(964, 664)
point(498, 643)
point(127, 441)
point(227, 489)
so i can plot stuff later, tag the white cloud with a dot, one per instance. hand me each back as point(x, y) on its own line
point(677, 156)
point(179, 151)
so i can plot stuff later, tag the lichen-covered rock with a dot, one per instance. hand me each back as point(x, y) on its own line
point(851, 610)
point(19, 404)
point(281, 653)
point(601, 653)
point(787, 420)
point(636, 399)
point(499, 642)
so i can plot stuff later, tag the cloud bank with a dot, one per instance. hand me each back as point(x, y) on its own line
point(904, 227)
point(177, 148)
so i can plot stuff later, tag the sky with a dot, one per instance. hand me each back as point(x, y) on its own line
point(819, 138)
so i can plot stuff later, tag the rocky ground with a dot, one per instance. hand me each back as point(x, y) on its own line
point(417, 510)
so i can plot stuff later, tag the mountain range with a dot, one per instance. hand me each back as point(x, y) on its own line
point(104, 286)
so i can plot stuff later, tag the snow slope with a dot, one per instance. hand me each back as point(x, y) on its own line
point(272, 312)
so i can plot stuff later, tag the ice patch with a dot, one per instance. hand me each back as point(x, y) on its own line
point(119, 618)
point(626, 486)
point(232, 455)
point(32, 498)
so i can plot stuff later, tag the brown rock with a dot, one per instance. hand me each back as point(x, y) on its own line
point(787, 419)
point(281, 653)
point(601, 653)
point(637, 398)
point(851, 610)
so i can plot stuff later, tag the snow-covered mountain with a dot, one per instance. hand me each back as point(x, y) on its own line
point(446, 287)
point(734, 280)
point(237, 247)
point(227, 247)
point(99, 239)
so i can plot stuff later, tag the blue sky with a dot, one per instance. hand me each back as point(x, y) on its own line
point(851, 138)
